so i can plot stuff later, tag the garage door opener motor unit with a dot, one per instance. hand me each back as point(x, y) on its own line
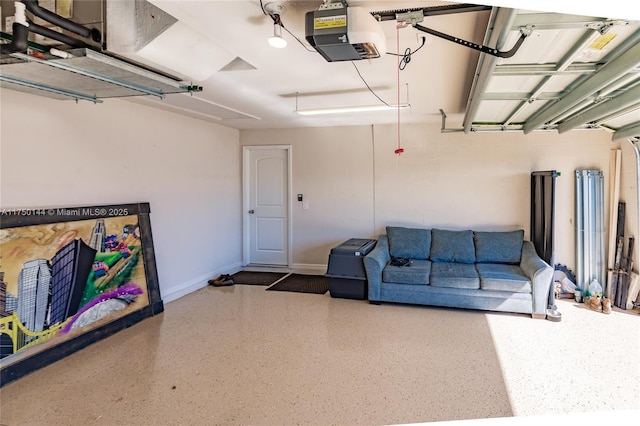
point(344, 33)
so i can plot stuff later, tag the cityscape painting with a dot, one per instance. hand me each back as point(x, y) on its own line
point(70, 276)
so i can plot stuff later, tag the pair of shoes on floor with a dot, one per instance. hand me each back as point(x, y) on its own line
point(593, 303)
point(222, 280)
point(598, 304)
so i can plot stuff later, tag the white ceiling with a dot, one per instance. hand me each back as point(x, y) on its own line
point(438, 77)
point(475, 92)
point(263, 86)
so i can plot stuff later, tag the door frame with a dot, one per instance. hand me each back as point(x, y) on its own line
point(246, 169)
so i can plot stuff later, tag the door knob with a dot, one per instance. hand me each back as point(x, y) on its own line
point(252, 211)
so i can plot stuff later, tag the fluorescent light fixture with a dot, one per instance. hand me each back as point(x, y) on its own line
point(276, 40)
point(341, 110)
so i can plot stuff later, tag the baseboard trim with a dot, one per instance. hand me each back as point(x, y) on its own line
point(197, 283)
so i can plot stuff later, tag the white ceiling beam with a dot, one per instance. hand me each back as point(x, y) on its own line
point(586, 39)
point(629, 131)
point(544, 96)
point(612, 90)
point(498, 30)
point(555, 21)
point(544, 69)
point(520, 96)
point(609, 72)
point(629, 98)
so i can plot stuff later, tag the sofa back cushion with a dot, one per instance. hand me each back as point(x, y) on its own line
point(499, 247)
point(412, 243)
point(452, 246)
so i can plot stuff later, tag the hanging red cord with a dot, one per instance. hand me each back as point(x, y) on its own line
point(399, 150)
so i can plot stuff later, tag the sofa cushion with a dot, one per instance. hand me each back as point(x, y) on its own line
point(458, 275)
point(502, 277)
point(412, 243)
point(452, 246)
point(498, 247)
point(417, 273)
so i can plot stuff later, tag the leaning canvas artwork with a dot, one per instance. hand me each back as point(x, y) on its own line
point(68, 272)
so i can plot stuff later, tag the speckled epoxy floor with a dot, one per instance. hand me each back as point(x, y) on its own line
point(242, 355)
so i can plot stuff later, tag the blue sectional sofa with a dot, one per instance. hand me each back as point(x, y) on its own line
point(495, 271)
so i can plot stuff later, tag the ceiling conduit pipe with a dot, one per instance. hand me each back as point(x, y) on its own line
point(500, 23)
point(62, 38)
point(81, 30)
point(19, 41)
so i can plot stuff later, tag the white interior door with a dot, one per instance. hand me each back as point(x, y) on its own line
point(267, 206)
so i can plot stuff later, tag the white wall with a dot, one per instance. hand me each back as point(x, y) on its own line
point(56, 153)
point(448, 180)
point(482, 180)
point(333, 169)
point(59, 153)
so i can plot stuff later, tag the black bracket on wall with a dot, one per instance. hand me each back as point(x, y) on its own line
point(390, 15)
point(524, 33)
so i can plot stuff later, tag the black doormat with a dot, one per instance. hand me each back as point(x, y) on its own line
point(299, 283)
point(257, 278)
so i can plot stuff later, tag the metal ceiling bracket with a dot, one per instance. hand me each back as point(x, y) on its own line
point(55, 64)
point(603, 26)
point(411, 17)
point(333, 4)
point(444, 120)
point(443, 128)
point(39, 86)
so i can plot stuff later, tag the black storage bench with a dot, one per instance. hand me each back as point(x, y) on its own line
point(347, 278)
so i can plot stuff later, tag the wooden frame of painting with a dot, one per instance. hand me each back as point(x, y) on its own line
point(69, 277)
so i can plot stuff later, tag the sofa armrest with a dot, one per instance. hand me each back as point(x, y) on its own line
point(374, 263)
point(541, 275)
